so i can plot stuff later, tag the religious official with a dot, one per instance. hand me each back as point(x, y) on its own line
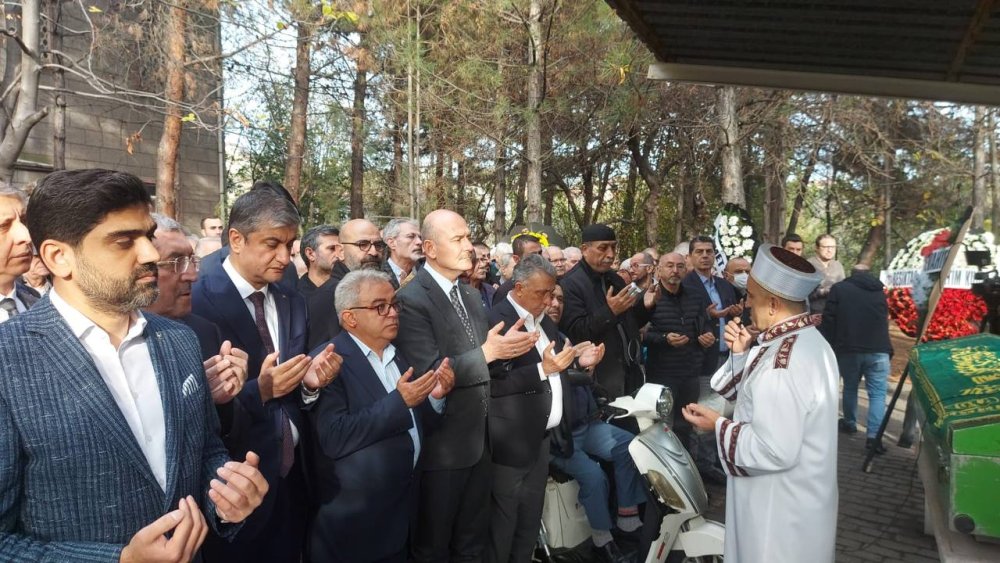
point(780, 448)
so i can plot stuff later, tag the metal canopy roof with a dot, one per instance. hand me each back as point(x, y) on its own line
point(934, 49)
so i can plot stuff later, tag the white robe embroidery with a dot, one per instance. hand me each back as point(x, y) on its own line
point(780, 448)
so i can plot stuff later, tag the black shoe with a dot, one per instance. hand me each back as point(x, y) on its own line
point(876, 446)
point(846, 427)
point(905, 441)
point(627, 538)
point(610, 553)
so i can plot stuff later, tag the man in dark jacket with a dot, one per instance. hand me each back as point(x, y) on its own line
point(679, 330)
point(856, 324)
point(600, 308)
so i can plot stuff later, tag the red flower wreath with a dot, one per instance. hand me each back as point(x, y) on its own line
point(959, 313)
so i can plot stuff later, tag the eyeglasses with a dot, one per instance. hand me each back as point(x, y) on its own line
point(364, 245)
point(180, 265)
point(383, 308)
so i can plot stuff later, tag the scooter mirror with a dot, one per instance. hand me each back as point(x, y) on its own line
point(665, 403)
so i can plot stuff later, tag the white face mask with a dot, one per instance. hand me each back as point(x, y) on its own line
point(740, 280)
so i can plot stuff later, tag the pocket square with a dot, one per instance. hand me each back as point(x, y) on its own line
point(190, 386)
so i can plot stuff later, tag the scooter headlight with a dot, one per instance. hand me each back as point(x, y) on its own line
point(668, 495)
point(665, 403)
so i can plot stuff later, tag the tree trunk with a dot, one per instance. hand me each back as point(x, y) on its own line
point(170, 140)
point(358, 133)
point(979, 169)
point(500, 194)
point(652, 204)
point(300, 110)
point(775, 174)
point(994, 177)
point(682, 195)
point(460, 188)
point(876, 234)
point(25, 115)
point(729, 135)
point(54, 12)
point(533, 152)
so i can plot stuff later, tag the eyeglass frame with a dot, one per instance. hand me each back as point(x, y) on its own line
point(364, 244)
point(396, 305)
point(176, 261)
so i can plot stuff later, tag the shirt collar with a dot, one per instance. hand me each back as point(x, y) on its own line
point(11, 295)
point(444, 283)
point(791, 324)
point(242, 285)
point(388, 354)
point(531, 323)
point(395, 268)
point(80, 325)
point(704, 279)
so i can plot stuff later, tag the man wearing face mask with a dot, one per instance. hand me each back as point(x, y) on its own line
point(738, 273)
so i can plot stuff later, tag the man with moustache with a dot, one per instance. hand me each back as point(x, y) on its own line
point(177, 270)
point(15, 255)
point(402, 236)
point(599, 308)
point(477, 275)
point(442, 318)
point(679, 330)
point(257, 313)
point(362, 247)
point(780, 447)
point(321, 251)
point(369, 428)
point(111, 441)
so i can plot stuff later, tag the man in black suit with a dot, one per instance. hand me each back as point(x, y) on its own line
point(177, 270)
point(362, 247)
point(529, 396)
point(368, 428)
point(442, 318)
point(723, 306)
point(15, 254)
point(267, 319)
point(718, 292)
point(599, 308)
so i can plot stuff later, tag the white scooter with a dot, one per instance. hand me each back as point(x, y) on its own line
point(680, 499)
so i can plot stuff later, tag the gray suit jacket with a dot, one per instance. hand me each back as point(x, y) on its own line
point(429, 332)
point(74, 483)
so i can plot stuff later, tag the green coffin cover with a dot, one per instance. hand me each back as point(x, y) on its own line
point(958, 385)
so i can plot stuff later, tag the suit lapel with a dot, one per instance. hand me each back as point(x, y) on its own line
point(474, 307)
point(173, 418)
point(441, 301)
point(226, 299)
point(358, 364)
point(77, 377)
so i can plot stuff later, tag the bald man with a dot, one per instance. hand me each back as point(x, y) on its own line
point(442, 318)
point(363, 248)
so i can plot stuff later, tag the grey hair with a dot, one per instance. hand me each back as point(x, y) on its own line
point(392, 228)
point(572, 251)
point(8, 190)
point(261, 209)
point(531, 264)
point(348, 292)
point(501, 248)
point(167, 225)
point(504, 259)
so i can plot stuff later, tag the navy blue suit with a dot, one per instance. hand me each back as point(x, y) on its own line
point(363, 456)
point(271, 531)
point(727, 293)
point(74, 484)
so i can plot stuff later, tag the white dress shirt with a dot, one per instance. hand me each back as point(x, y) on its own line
point(388, 374)
point(534, 324)
point(128, 372)
point(270, 317)
point(396, 270)
point(17, 301)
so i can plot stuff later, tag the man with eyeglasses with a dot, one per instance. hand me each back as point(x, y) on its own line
point(363, 248)
point(177, 270)
point(368, 429)
point(832, 270)
point(556, 257)
point(641, 266)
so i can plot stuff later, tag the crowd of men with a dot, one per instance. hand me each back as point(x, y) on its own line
point(399, 396)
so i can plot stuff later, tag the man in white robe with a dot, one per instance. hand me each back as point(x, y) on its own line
point(780, 448)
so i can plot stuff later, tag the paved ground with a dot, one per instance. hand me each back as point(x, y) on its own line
point(881, 513)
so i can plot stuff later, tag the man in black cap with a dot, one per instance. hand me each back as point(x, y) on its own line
point(600, 307)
